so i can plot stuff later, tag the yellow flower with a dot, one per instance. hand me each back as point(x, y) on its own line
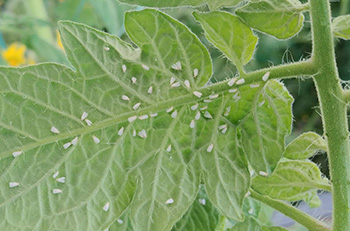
point(59, 41)
point(14, 54)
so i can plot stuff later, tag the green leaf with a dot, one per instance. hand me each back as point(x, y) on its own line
point(305, 146)
point(225, 172)
point(201, 216)
point(279, 18)
point(251, 224)
point(291, 181)
point(126, 162)
point(213, 4)
point(341, 27)
point(131, 152)
point(312, 200)
point(229, 34)
point(265, 118)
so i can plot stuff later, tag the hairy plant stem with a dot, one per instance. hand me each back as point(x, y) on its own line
point(302, 218)
point(333, 110)
point(344, 7)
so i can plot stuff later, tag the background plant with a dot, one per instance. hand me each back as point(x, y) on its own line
point(132, 134)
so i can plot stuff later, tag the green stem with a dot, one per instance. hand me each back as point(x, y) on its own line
point(344, 7)
point(333, 112)
point(302, 218)
point(36, 9)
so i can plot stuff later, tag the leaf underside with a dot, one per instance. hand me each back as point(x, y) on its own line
point(213, 4)
point(305, 146)
point(147, 170)
point(280, 18)
point(341, 27)
point(292, 180)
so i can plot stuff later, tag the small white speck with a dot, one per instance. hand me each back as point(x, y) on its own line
point(168, 149)
point(106, 229)
point(194, 107)
point(54, 130)
point(120, 221)
point(96, 140)
point(250, 211)
point(202, 201)
point(231, 82)
point(261, 103)
point(124, 68)
point(106, 207)
point(134, 133)
point(13, 184)
point(55, 174)
point(142, 134)
point(254, 85)
point(169, 109)
point(247, 194)
point(240, 81)
point(88, 122)
point(144, 66)
point(136, 106)
point(232, 90)
point(67, 145)
point(237, 98)
point(177, 84)
point(106, 48)
point(174, 114)
point(56, 191)
point(207, 115)
point(121, 131)
point(143, 117)
point(192, 124)
point(150, 89)
point(187, 84)
point(262, 173)
point(132, 118)
point(210, 148)
point(133, 80)
point(61, 179)
point(207, 101)
point(213, 96)
point(126, 98)
point(203, 108)
point(224, 130)
point(75, 141)
point(172, 80)
point(222, 126)
point(197, 93)
point(228, 109)
point(195, 72)
point(169, 201)
point(177, 66)
point(198, 116)
point(266, 76)
point(17, 153)
point(84, 115)
point(153, 114)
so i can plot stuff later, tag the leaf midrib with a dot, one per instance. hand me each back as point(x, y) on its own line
point(181, 100)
